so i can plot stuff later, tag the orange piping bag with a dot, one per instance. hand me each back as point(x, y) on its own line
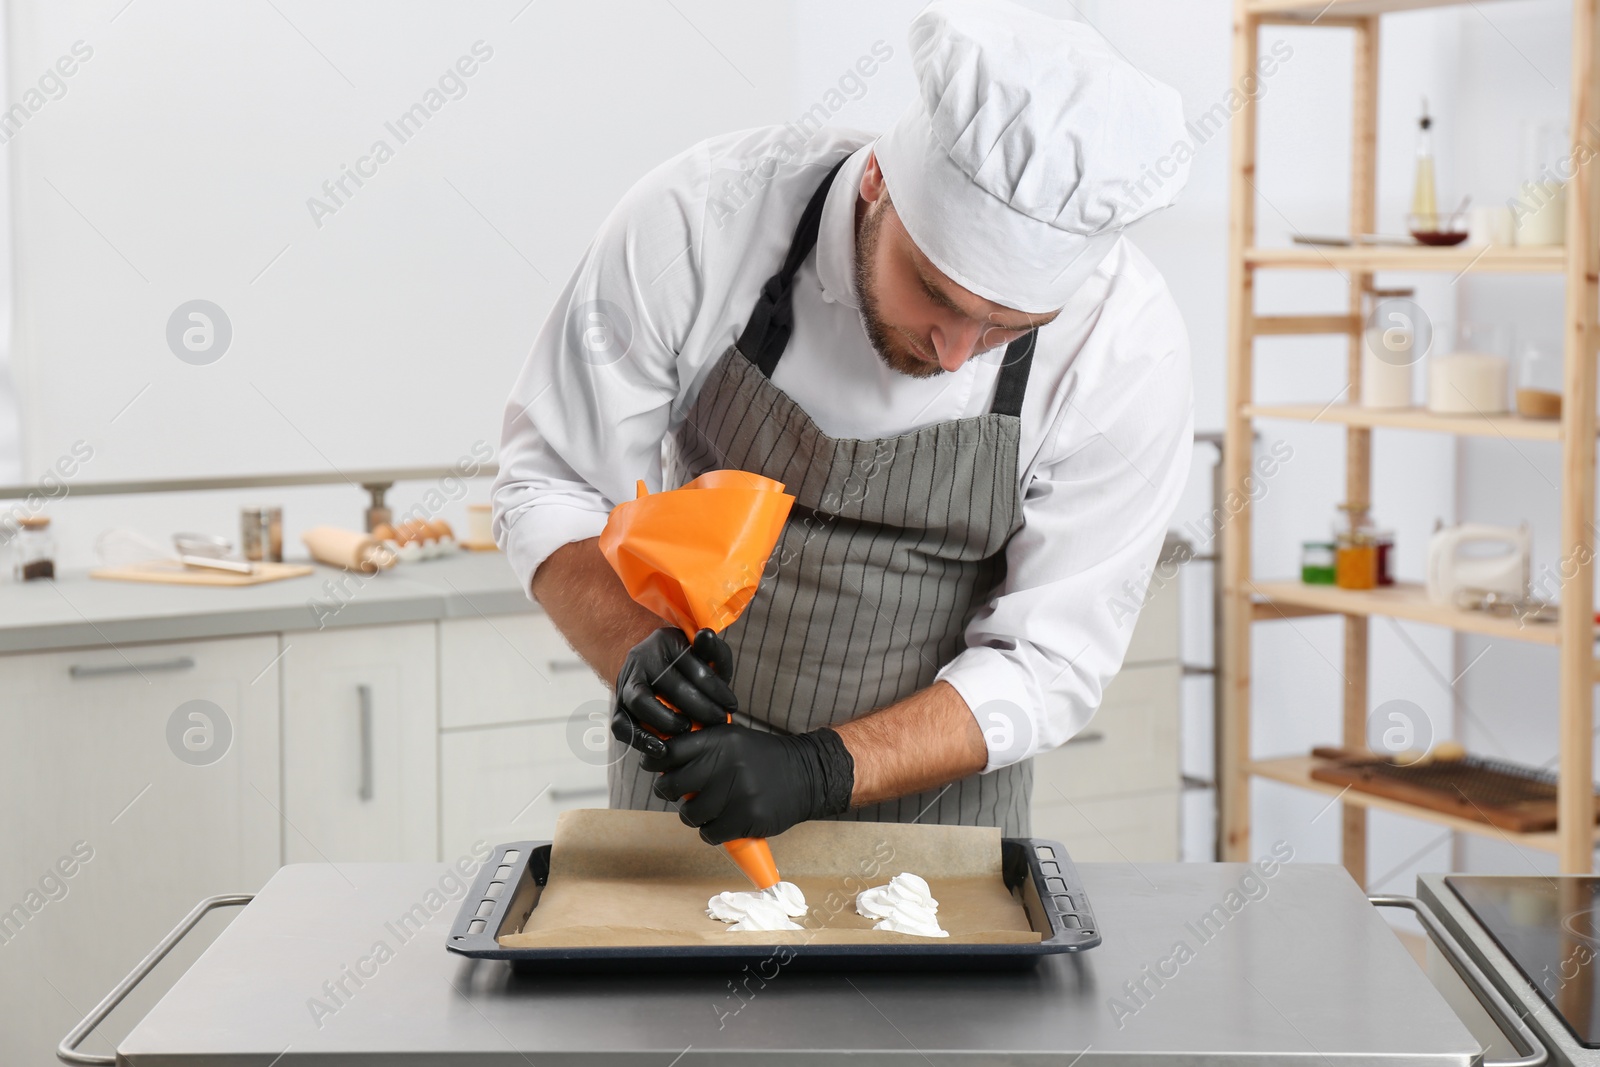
point(695, 555)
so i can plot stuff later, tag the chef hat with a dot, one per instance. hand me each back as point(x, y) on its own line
point(1031, 145)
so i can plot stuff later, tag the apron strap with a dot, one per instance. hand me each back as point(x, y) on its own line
point(772, 320)
point(1013, 383)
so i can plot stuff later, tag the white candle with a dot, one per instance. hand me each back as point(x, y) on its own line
point(1468, 383)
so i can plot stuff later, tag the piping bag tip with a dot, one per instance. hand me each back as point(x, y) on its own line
point(754, 857)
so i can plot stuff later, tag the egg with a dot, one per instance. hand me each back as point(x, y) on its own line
point(383, 532)
point(441, 529)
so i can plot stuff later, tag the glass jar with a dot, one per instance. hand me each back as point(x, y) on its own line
point(1317, 562)
point(1356, 561)
point(1539, 378)
point(1384, 542)
point(1474, 377)
point(34, 550)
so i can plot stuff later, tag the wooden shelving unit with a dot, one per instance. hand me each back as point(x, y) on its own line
point(1457, 260)
point(1401, 601)
point(1248, 602)
point(1511, 427)
point(1319, 12)
point(1296, 771)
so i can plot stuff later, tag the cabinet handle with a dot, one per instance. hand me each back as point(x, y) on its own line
point(566, 666)
point(177, 663)
point(365, 693)
point(1087, 738)
point(587, 791)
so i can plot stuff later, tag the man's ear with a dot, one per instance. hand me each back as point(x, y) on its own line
point(872, 184)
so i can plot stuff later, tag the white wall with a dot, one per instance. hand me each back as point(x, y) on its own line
point(183, 159)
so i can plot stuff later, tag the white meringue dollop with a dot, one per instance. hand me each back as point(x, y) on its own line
point(769, 909)
point(904, 906)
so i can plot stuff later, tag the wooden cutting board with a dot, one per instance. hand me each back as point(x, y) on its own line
point(171, 572)
point(1514, 798)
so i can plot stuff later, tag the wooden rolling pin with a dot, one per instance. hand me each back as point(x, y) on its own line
point(349, 549)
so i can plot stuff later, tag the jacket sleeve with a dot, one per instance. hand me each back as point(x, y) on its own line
point(1095, 513)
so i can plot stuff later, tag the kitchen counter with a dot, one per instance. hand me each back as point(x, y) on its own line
point(76, 610)
point(319, 970)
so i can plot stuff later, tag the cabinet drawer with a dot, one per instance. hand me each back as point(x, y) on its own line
point(1130, 746)
point(511, 668)
point(509, 783)
point(1137, 828)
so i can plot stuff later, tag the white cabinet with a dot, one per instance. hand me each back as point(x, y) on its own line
point(1135, 828)
point(360, 727)
point(1113, 792)
point(525, 729)
point(510, 668)
point(150, 773)
point(509, 783)
point(1130, 746)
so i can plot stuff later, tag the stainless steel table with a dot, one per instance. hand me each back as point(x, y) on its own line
point(324, 967)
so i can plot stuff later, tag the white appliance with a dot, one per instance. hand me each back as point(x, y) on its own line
point(1479, 558)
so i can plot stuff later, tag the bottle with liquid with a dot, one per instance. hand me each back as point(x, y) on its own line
point(1424, 194)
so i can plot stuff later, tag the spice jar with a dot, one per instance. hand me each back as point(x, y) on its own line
point(1356, 561)
point(34, 550)
point(1317, 562)
point(1384, 540)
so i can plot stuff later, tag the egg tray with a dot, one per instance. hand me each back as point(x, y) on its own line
point(1039, 871)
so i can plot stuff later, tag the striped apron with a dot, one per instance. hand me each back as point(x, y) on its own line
point(892, 546)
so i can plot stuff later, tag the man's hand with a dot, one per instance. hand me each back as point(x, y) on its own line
point(692, 678)
point(748, 783)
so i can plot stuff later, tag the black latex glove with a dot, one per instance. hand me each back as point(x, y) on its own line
point(694, 679)
point(748, 783)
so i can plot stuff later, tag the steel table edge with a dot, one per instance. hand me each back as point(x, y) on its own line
point(1454, 916)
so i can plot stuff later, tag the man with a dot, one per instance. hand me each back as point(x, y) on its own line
point(976, 389)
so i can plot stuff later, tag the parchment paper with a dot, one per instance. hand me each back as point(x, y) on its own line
point(623, 878)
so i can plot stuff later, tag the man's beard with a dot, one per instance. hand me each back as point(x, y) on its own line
point(898, 350)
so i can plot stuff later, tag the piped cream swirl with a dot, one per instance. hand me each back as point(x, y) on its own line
point(769, 909)
point(904, 906)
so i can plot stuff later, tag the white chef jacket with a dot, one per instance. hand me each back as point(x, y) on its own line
point(1107, 424)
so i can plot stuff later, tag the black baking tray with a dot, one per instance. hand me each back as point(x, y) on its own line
point(1039, 871)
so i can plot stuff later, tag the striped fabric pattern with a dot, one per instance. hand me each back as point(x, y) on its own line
point(892, 546)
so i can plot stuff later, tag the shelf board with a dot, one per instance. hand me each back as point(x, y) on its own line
point(1296, 771)
point(1509, 426)
point(1309, 10)
point(1401, 601)
point(1491, 260)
